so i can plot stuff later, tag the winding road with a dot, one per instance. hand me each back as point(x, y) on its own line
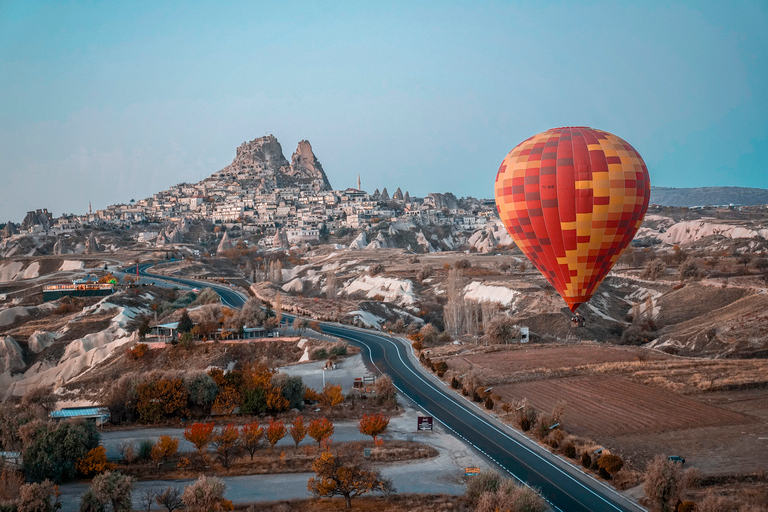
point(563, 484)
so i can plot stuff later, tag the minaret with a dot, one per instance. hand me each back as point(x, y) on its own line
point(358, 183)
point(90, 210)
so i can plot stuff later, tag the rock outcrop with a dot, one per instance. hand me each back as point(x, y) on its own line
point(10, 355)
point(59, 247)
point(40, 340)
point(9, 230)
point(225, 244)
point(91, 245)
point(262, 165)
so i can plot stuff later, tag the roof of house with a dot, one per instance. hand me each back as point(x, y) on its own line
point(80, 412)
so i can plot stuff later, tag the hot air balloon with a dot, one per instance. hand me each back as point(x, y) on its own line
point(572, 199)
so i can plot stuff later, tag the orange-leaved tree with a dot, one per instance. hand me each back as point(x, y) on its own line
point(337, 477)
point(250, 437)
point(373, 425)
point(275, 431)
point(276, 401)
point(95, 462)
point(320, 429)
point(165, 448)
point(331, 395)
point(161, 398)
point(227, 443)
point(298, 430)
point(227, 400)
point(200, 435)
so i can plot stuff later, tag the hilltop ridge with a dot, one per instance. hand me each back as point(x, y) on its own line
point(707, 196)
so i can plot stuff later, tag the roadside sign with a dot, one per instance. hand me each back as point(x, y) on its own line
point(471, 471)
point(367, 453)
point(424, 423)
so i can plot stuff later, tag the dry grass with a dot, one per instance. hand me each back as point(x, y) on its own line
point(394, 503)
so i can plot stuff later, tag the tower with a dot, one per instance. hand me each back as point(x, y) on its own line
point(90, 210)
point(358, 183)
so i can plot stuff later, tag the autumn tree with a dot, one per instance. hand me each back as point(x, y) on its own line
point(227, 400)
point(227, 444)
point(185, 323)
point(95, 462)
point(610, 463)
point(337, 477)
point(331, 395)
point(250, 437)
point(165, 448)
point(298, 430)
point(373, 425)
point(200, 435)
point(320, 430)
point(275, 431)
point(160, 399)
point(386, 393)
point(51, 452)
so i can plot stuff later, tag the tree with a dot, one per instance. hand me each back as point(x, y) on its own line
point(654, 269)
point(300, 324)
point(336, 477)
point(161, 398)
point(227, 444)
point(206, 494)
point(373, 425)
point(320, 430)
point(185, 323)
point(663, 483)
point(690, 269)
point(298, 430)
point(114, 488)
point(170, 499)
point(36, 497)
point(386, 393)
point(502, 329)
point(54, 450)
point(200, 435)
point(165, 448)
point(291, 388)
point(95, 462)
point(89, 503)
point(275, 431)
point(250, 437)
point(202, 390)
point(331, 395)
point(227, 400)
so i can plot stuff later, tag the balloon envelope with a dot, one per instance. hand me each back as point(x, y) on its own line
point(572, 199)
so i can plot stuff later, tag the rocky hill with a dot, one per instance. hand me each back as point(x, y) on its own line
point(703, 196)
point(261, 164)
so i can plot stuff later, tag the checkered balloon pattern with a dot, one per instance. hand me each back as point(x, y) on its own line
point(573, 199)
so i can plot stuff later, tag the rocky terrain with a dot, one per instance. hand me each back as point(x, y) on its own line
point(261, 163)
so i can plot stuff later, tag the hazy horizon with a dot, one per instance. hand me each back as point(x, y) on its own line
point(106, 103)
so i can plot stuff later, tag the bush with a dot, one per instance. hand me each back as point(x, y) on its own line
point(202, 390)
point(687, 506)
point(376, 269)
point(654, 270)
point(440, 368)
point(205, 494)
point(569, 451)
point(37, 497)
point(145, 449)
point(339, 351)
point(455, 384)
point(138, 351)
point(586, 459)
point(53, 454)
point(690, 269)
point(610, 463)
point(486, 481)
point(319, 354)
point(113, 488)
point(489, 403)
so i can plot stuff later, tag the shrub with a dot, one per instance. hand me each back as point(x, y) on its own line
point(373, 425)
point(165, 448)
point(654, 269)
point(502, 329)
point(145, 449)
point(339, 351)
point(113, 488)
point(95, 462)
point(690, 269)
point(319, 354)
point(386, 393)
point(455, 384)
point(586, 459)
point(440, 368)
point(687, 506)
point(206, 494)
point(489, 403)
point(37, 497)
point(202, 390)
point(663, 483)
point(53, 454)
point(486, 481)
point(610, 463)
point(376, 269)
point(138, 351)
point(569, 450)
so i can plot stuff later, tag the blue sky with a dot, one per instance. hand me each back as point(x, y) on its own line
point(107, 101)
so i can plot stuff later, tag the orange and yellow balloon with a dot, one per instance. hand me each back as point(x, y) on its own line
point(573, 199)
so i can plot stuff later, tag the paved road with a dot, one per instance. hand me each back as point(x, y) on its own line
point(563, 484)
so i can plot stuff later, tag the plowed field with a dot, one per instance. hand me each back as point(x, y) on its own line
point(609, 405)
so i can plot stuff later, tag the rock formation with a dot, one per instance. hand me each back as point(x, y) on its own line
point(376, 194)
point(59, 247)
point(384, 195)
point(9, 230)
point(398, 195)
point(10, 355)
point(261, 164)
point(280, 239)
point(91, 245)
point(407, 197)
point(225, 244)
point(40, 340)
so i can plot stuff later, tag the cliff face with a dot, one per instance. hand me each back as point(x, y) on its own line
point(261, 163)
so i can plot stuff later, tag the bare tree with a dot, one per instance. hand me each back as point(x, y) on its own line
point(330, 285)
point(170, 499)
point(147, 497)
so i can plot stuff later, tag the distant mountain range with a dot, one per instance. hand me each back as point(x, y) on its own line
point(704, 196)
